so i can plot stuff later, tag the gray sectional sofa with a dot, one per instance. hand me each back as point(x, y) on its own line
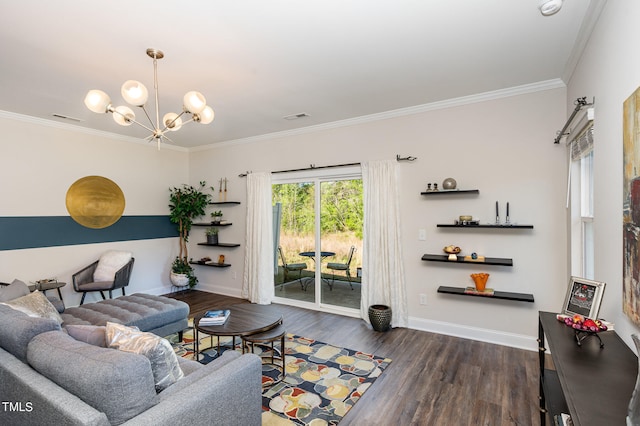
point(47, 377)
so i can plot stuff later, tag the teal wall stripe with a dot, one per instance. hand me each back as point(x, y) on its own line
point(22, 232)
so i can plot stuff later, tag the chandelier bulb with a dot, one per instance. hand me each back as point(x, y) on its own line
point(194, 102)
point(135, 93)
point(97, 101)
point(206, 116)
point(172, 121)
point(123, 115)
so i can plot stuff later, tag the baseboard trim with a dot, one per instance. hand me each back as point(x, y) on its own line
point(519, 341)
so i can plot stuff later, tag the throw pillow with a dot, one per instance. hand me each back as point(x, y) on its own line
point(92, 334)
point(110, 263)
point(164, 362)
point(35, 304)
point(14, 290)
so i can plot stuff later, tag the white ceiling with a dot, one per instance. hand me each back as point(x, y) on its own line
point(257, 61)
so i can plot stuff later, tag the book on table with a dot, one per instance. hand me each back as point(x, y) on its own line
point(216, 317)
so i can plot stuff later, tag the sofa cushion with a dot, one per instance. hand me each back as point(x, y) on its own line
point(17, 329)
point(92, 334)
point(120, 384)
point(199, 373)
point(14, 290)
point(110, 262)
point(164, 362)
point(35, 304)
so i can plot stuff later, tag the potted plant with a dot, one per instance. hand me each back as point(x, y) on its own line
point(186, 203)
point(212, 235)
point(217, 216)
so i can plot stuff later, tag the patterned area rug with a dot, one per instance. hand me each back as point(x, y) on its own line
point(322, 382)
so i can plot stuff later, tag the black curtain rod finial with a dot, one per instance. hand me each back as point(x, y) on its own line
point(407, 158)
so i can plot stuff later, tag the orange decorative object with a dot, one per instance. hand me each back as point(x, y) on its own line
point(480, 279)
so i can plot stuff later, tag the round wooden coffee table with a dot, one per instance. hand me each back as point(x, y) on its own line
point(244, 319)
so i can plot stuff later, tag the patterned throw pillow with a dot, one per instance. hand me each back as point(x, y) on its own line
point(164, 362)
point(35, 304)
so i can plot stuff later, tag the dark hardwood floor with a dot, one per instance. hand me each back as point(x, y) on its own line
point(433, 379)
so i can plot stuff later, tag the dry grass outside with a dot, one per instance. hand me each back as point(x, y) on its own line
point(339, 243)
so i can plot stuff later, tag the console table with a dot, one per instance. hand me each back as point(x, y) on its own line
point(590, 383)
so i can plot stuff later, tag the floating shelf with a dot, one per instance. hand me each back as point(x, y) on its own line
point(224, 202)
point(484, 225)
point(214, 265)
point(520, 297)
point(487, 260)
point(212, 224)
point(220, 245)
point(451, 191)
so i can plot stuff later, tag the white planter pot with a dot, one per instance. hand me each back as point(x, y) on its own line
point(179, 280)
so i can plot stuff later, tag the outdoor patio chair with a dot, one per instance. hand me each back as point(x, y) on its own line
point(292, 267)
point(341, 267)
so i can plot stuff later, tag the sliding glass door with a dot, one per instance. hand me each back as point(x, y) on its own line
point(319, 239)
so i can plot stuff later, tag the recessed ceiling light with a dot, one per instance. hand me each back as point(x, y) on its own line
point(296, 116)
point(550, 7)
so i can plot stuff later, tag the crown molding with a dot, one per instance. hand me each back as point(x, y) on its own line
point(79, 129)
point(401, 112)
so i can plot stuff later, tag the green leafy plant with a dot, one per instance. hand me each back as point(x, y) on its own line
point(186, 202)
point(182, 266)
point(212, 231)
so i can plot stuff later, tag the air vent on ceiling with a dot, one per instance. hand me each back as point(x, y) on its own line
point(64, 117)
point(296, 116)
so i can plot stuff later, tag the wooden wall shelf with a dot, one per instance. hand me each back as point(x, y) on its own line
point(213, 224)
point(487, 260)
point(220, 245)
point(214, 265)
point(485, 225)
point(520, 297)
point(451, 191)
point(224, 202)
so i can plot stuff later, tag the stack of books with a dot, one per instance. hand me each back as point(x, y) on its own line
point(217, 317)
point(473, 290)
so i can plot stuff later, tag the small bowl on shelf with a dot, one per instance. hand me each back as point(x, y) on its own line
point(452, 249)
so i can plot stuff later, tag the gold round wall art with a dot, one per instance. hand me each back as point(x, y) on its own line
point(95, 202)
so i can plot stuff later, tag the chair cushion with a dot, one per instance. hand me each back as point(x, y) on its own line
point(296, 266)
point(35, 304)
point(119, 384)
point(14, 290)
point(164, 362)
point(338, 266)
point(110, 262)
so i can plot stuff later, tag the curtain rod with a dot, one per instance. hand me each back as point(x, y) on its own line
point(580, 102)
point(314, 167)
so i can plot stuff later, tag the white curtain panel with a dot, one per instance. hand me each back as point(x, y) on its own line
point(257, 284)
point(382, 266)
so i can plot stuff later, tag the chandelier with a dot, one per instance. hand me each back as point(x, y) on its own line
point(136, 94)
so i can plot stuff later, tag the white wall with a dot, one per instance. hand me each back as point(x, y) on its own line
point(609, 70)
point(503, 147)
point(39, 164)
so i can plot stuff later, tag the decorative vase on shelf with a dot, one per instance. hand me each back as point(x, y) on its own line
point(633, 412)
point(480, 280)
point(380, 317)
point(212, 239)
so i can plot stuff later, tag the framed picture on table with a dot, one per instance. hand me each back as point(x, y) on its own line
point(583, 297)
